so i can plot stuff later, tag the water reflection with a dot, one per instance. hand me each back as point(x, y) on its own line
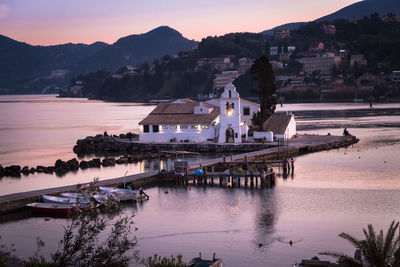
point(265, 219)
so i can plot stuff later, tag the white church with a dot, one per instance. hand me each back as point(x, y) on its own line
point(223, 120)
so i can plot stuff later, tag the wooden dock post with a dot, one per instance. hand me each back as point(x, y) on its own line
point(246, 179)
point(292, 162)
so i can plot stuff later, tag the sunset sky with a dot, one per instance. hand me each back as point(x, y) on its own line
point(48, 22)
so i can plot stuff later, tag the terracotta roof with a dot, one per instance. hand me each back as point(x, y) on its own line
point(179, 113)
point(174, 108)
point(277, 123)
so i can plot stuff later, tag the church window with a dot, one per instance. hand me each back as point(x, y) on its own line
point(230, 93)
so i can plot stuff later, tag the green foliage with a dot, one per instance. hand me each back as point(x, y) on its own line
point(378, 249)
point(158, 261)
point(5, 251)
point(82, 244)
point(2, 260)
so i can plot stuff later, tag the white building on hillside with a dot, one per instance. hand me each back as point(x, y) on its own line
point(225, 78)
point(224, 120)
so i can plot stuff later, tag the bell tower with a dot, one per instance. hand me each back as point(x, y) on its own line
point(230, 131)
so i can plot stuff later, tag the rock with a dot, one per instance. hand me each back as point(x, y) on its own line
point(49, 170)
point(13, 170)
point(25, 170)
point(61, 167)
point(83, 165)
point(40, 169)
point(2, 171)
point(59, 164)
point(32, 170)
point(122, 160)
point(73, 164)
point(108, 162)
point(96, 162)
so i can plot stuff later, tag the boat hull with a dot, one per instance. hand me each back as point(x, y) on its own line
point(51, 208)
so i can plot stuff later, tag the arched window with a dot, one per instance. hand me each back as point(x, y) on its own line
point(230, 94)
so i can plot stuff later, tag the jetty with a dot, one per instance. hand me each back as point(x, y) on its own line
point(265, 158)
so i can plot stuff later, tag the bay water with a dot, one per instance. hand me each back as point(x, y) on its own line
point(330, 192)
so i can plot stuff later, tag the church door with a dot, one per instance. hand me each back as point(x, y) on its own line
point(230, 135)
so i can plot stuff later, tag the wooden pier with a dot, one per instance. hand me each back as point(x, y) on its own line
point(247, 179)
point(262, 159)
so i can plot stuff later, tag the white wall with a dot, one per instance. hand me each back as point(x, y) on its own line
point(231, 120)
point(165, 135)
point(269, 136)
point(290, 130)
point(253, 109)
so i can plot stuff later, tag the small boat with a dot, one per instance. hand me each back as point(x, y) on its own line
point(98, 197)
point(51, 207)
point(123, 194)
point(66, 200)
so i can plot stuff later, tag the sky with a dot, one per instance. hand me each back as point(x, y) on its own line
point(47, 22)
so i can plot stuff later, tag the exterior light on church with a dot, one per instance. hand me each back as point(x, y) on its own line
point(229, 112)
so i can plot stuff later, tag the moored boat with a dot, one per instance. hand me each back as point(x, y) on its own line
point(51, 207)
point(123, 194)
point(86, 198)
point(66, 201)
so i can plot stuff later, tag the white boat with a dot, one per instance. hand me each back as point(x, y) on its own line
point(122, 194)
point(66, 200)
point(80, 196)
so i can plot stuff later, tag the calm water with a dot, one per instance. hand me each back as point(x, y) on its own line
point(330, 192)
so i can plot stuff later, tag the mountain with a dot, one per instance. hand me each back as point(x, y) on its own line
point(47, 69)
point(288, 26)
point(364, 8)
point(139, 48)
point(356, 10)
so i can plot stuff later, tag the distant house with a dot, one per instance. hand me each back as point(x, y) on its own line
point(273, 50)
point(281, 34)
point(323, 64)
point(224, 78)
point(328, 28)
point(318, 47)
point(245, 63)
point(358, 59)
point(276, 65)
point(221, 63)
point(395, 79)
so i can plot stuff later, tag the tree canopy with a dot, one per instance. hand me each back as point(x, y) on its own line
point(264, 88)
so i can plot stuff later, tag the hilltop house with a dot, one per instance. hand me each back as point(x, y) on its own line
point(223, 120)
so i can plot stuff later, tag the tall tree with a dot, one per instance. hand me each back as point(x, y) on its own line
point(265, 88)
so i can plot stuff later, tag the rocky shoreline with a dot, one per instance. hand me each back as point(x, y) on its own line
point(102, 145)
point(132, 151)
